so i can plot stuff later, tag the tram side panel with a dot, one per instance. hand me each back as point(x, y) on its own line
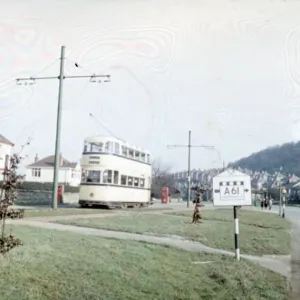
point(101, 193)
point(112, 196)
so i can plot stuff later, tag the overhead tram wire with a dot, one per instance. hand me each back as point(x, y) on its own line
point(103, 126)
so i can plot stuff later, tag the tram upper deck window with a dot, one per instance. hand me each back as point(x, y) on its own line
point(117, 148)
point(130, 153)
point(109, 147)
point(124, 150)
point(137, 155)
point(148, 158)
point(93, 176)
point(93, 147)
point(143, 156)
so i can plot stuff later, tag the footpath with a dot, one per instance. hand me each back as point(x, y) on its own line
point(279, 264)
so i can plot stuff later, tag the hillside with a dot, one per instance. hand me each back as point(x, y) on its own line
point(286, 155)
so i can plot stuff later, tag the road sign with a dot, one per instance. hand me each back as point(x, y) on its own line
point(232, 188)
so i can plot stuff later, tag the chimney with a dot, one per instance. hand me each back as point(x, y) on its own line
point(36, 158)
point(61, 160)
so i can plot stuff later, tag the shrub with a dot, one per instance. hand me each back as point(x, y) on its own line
point(44, 186)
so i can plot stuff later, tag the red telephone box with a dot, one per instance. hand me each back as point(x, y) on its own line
point(59, 194)
point(165, 195)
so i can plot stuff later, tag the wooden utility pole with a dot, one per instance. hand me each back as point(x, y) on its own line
point(60, 77)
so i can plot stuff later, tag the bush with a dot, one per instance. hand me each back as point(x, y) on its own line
point(44, 186)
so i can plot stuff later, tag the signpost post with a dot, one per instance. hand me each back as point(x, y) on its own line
point(232, 188)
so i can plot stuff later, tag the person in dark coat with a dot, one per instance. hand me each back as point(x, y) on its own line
point(266, 203)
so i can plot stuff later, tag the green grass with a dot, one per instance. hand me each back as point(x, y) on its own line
point(260, 233)
point(63, 266)
point(48, 212)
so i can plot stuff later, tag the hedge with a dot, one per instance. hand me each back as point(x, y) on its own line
point(44, 186)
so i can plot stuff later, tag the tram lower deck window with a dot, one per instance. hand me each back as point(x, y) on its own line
point(116, 177)
point(107, 176)
point(142, 182)
point(123, 180)
point(136, 182)
point(93, 176)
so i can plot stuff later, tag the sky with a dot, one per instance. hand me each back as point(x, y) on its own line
point(229, 71)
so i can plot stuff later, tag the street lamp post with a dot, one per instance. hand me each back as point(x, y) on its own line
point(283, 191)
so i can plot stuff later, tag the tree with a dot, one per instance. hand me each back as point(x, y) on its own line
point(161, 177)
point(272, 159)
point(7, 198)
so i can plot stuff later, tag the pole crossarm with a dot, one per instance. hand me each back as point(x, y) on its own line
point(31, 80)
point(192, 146)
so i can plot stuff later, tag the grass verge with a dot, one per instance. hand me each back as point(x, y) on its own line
point(56, 265)
point(48, 212)
point(260, 233)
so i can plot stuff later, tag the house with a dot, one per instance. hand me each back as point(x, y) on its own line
point(5, 149)
point(42, 170)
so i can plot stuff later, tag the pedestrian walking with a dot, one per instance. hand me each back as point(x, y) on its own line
point(262, 203)
point(270, 203)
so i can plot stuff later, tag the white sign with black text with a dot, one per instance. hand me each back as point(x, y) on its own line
point(232, 188)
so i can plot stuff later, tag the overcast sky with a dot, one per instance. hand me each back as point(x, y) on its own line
point(227, 70)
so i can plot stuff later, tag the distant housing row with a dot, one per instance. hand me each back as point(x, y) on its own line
point(259, 180)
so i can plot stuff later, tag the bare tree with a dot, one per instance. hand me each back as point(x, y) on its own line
point(8, 195)
point(161, 177)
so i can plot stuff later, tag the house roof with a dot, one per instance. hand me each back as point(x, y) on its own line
point(49, 162)
point(4, 140)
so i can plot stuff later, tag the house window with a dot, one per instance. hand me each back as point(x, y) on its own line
point(74, 174)
point(107, 176)
point(36, 172)
point(116, 177)
point(93, 176)
point(123, 179)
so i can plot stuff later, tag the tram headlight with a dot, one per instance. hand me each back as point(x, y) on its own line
point(91, 194)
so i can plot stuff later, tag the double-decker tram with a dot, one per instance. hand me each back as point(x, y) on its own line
point(114, 174)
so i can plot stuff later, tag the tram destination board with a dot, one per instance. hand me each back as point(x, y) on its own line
point(232, 189)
